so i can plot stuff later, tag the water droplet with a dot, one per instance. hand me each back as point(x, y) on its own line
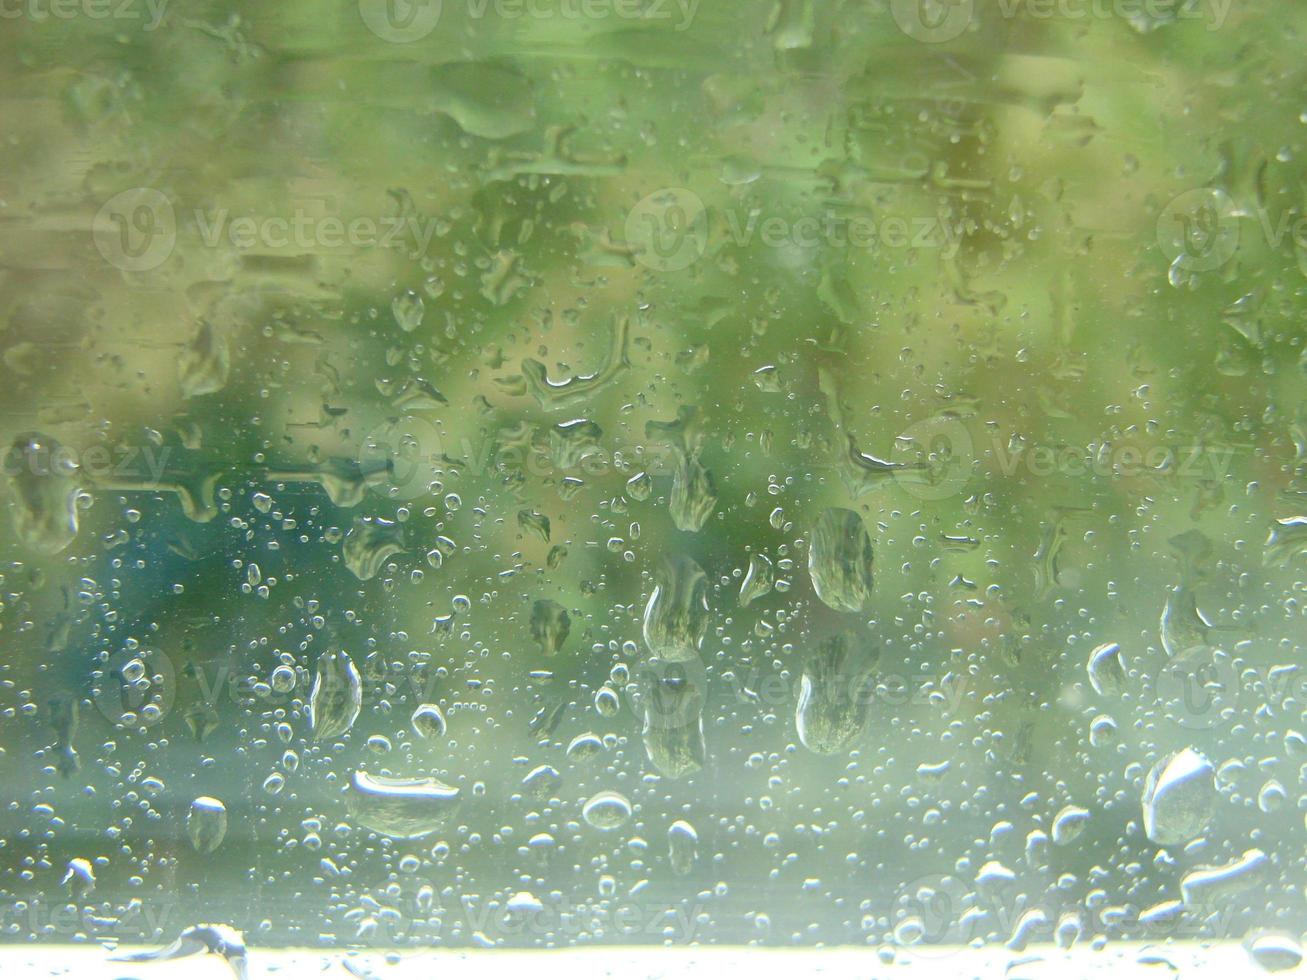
point(694, 494)
point(204, 364)
point(1205, 885)
point(337, 696)
point(757, 580)
point(1069, 824)
point(682, 846)
point(550, 625)
point(669, 697)
point(1106, 669)
point(44, 493)
point(206, 824)
point(606, 701)
point(1274, 952)
point(369, 545)
point(639, 487)
point(79, 878)
point(608, 810)
point(835, 693)
point(584, 747)
point(408, 309)
point(676, 617)
point(428, 721)
point(1178, 797)
point(401, 807)
point(542, 782)
point(839, 560)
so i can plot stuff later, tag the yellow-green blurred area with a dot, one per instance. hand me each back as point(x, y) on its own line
point(432, 332)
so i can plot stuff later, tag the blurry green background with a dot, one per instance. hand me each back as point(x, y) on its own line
point(539, 164)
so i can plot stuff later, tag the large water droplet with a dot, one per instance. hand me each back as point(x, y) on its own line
point(669, 696)
point(682, 846)
point(676, 617)
point(608, 810)
point(839, 560)
point(401, 807)
point(44, 493)
point(337, 695)
point(550, 625)
point(1107, 670)
point(428, 721)
point(206, 824)
point(835, 693)
point(1178, 797)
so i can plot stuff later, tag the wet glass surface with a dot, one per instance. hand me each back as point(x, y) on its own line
point(567, 473)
